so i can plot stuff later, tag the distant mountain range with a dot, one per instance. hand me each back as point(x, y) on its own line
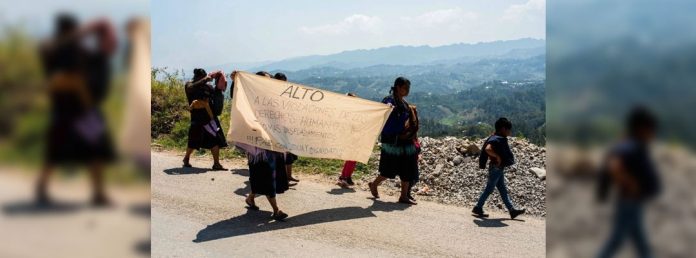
point(460, 89)
point(402, 55)
point(374, 81)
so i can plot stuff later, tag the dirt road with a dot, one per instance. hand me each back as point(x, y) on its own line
point(71, 227)
point(200, 213)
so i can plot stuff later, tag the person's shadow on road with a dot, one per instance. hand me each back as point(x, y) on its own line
point(378, 205)
point(340, 191)
point(186, 171)
point(492, 223)
point(243, 191)
point(240, 171)
point(260, 221)
point(30, 207)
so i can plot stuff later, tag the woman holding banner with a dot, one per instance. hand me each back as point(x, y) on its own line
point(205, 130)
point(267, 174)
point(399, 155)
point(289, 157)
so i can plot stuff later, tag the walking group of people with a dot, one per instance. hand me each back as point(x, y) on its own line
point(270, 172)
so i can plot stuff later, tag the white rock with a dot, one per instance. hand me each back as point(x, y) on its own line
point(539, 172)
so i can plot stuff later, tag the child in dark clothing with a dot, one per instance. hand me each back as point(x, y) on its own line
point(498, 150)
point(632, 171)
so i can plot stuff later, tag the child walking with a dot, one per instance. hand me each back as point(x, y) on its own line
point(498, 150)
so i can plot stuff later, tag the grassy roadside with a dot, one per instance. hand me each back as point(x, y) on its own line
point(304, 165)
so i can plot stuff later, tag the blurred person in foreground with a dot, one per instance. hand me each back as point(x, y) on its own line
point(78, 76)
point(631, 171)
point(136, 118)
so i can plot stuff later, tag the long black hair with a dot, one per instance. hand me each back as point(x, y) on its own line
point(198, 74)
point(280, 76)
point(401, 81)
point(65, 24)
point(264, 73)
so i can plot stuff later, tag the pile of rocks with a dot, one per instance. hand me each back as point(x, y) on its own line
point(449, 173)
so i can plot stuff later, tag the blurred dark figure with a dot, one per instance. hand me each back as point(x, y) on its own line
point(631, 171)
point(78, 76)
point(205, 130)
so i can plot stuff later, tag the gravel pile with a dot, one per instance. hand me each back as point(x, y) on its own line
point(449, 174)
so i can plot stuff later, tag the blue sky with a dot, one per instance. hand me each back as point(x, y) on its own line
point(37, 16)
point(202, 33)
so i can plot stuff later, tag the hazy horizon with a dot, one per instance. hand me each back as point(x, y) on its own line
point(188, 35)
point(376, 48)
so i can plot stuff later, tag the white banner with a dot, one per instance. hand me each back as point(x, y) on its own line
point(289, 117)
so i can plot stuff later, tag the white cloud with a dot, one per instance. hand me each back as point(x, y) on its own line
point(355, 22)
point(452, 16)
point(532, 9)
point(430, 27)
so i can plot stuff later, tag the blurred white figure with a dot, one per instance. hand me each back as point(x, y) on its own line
point(135, 137)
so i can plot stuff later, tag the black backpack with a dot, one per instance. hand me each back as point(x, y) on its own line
point(483, 156)
point(218, 102)
point(650, 185)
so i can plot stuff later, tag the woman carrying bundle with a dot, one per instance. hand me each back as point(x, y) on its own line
point(399, 155)
point(205, 130)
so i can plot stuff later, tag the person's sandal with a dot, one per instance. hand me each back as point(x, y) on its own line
point(218, 166)
point(342, 183)
point(293, 179)
point(251, 205)
point(186, 163)
point(373, 190)
point(407, 201)
point(280, 216)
